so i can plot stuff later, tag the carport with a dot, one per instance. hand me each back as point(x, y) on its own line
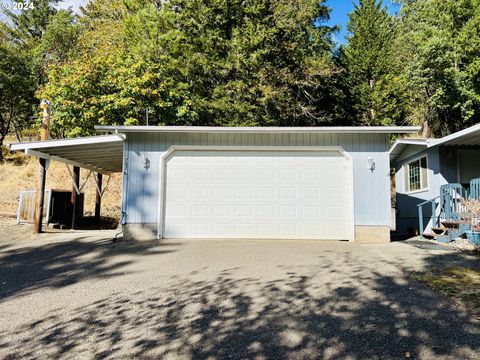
point(100, 155)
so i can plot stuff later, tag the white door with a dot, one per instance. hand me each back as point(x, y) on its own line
point(258, 194)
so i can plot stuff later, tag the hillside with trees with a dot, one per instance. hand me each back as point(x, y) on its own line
point(240, 63)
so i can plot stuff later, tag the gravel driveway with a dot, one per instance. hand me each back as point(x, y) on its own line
point(81, 296)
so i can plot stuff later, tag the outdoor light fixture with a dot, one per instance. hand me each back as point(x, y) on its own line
point(371, 163)
point(146, 162)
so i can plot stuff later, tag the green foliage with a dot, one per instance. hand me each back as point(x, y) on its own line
point(439, 48)
point(59, 38)
point(199, 62)
point(377, 90)
point(242, 63)
point(16, 87)
point(23, 61)
point(31, 23)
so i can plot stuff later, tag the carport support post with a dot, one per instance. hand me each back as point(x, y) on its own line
point(40, 193)
point(75, 195)
point(98, 198)
point(40, 197)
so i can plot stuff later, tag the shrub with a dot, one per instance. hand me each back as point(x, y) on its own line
point(471, 213)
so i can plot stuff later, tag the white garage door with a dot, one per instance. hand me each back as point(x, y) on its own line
point(258, 194)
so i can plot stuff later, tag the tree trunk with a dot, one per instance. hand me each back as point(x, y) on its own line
point(17, 132)
point(426, 131)
point(4, 128)
point(1, 150)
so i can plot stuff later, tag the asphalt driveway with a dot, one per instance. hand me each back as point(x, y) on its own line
point(82, 296)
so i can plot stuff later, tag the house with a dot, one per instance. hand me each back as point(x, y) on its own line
point(431, 177)
point(242, 182)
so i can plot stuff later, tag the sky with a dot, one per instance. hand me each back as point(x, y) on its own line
point(338, 15)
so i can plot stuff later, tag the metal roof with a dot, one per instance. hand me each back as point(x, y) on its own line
point(399, 146)
point(253, 129)
point(466, 137)
point(103, 154)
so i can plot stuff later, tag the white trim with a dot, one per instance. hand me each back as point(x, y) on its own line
point(161, 196)
point(468, 131)
point(407, 141)
point(418, 191)
point(163, 163)
point(78, 190)
point(407, 172)
point(101, 192)
point(90, 140)
point(49, 203)
point(124, 194)
point(253, 129)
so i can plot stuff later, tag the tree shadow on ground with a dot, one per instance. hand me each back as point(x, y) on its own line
point(446, 256)
point(54, 265)
point(353, 313)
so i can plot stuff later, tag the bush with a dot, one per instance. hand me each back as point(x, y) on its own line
point(471, 213)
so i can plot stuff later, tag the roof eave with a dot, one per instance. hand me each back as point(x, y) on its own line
point(73, 152)
point(472, 130)
point(101, 139)
point(399, 146)
point(289, 130)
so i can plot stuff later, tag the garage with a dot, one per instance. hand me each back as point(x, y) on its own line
point(276, 193)
point(323, 183)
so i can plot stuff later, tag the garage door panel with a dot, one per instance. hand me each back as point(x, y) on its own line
point(246, 194)
point(197, 175)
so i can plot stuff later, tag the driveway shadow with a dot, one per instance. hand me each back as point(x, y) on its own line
point(53, 265)
point(323, 311)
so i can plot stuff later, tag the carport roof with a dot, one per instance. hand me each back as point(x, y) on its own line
point(102, 154)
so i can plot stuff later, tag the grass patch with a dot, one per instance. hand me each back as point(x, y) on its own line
point(462, 284)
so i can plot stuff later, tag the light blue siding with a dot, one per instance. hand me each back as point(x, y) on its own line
point(442, 169)
point(407, 210)
point(371, 189)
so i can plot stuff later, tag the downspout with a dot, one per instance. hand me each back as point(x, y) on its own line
point(123, 218)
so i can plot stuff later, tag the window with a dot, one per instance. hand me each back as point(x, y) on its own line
point(416, 175)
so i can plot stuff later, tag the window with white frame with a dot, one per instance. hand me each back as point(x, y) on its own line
point(416, 177)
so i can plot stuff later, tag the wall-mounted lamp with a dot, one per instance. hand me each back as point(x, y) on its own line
point(146, 162)
point(371, 163)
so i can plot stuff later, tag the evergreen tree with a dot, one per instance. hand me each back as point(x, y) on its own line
point(24, 58)
point(376, 87)
point(198, 62)
point(17, 87)
point(439, 49)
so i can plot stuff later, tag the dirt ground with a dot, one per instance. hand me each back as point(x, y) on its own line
point(20, 173)
point(13, 233)
point(10, 232)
